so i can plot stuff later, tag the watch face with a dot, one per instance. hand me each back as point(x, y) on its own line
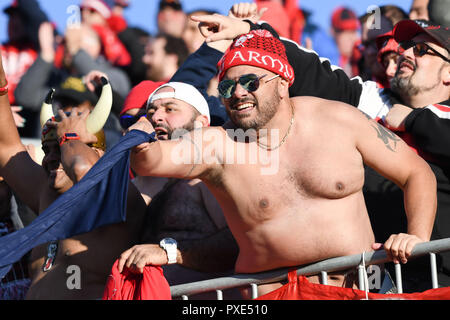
point(168, 241)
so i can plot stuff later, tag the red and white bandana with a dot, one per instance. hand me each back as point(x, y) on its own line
point(258, 48)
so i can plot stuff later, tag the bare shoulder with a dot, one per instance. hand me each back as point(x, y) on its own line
point(318, 109)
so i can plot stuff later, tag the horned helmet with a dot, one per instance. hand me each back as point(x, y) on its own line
point(94, 122)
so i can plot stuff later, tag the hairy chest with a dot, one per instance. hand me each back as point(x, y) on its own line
point(181, 211)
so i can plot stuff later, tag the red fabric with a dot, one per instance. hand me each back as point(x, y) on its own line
point(299, 288)
point(151, 285)
point(117, 23)
point(138, 96)
point(258, 48)
point(114, 50)
point(276, 16)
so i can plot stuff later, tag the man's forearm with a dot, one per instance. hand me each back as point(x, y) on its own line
point(420, 204)
point(8, 131)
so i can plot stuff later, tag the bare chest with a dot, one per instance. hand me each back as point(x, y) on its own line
point(299, 174)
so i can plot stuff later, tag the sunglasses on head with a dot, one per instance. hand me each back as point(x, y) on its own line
point(127, 120)
point(249, 82)
point(419, 49)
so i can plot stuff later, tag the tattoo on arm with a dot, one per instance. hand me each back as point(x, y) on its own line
point(389, 138)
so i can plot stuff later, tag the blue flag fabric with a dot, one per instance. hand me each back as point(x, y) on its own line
point(98, 199)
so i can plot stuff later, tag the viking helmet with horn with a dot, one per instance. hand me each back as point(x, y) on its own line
point(94, 123)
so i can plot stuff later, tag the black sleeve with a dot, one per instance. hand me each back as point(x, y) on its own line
point(315, 76)
point(431, 132)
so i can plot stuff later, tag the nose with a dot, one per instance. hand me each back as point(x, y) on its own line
point(240, 92)
point(158, 116)
point(409, 53)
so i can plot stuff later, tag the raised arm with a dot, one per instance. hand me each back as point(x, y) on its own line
point(16, 166)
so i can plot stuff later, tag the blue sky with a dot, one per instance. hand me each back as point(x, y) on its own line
point(142, 13)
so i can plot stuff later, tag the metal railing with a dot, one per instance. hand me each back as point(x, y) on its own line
point(360, 261)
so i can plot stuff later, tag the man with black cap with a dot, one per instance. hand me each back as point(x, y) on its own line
point(421, 117)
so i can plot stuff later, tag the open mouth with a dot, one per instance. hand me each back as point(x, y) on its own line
point(244, 107)
point(161, 133)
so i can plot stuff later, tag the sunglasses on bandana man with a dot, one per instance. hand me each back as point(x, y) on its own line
point(249, 82)
point(419, 49)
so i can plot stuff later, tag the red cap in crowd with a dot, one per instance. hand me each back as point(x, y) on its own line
point(138, 96)
point(344, 19)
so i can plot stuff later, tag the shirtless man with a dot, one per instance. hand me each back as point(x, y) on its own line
point(311, 208)
point(39, 186)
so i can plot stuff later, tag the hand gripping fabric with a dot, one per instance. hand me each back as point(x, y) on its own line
point(96, 200)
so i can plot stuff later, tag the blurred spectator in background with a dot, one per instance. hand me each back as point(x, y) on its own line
point(171, 18)
point(439, 12)
point(96, 14)
point(345, 31)
point(387, 55)
point(373, 26)
point(164, 54)
point(19, 53)
point(82, 54)
point(133, 38)
point(191, 34)
point(276, 16)
point(419, 10)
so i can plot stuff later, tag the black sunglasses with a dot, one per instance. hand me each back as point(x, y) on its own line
point(419, 49)
point(127, 120)
point(249, 82)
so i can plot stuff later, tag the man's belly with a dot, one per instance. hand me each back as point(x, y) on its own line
point(294, 239)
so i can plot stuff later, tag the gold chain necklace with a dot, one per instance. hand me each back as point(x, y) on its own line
point(284, 138)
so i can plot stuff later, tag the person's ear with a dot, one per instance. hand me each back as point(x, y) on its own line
point(201, 121)
point(446, 74)
point(283, 87)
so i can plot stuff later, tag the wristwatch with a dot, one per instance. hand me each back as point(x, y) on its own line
point(68, 136)
point(170, 245)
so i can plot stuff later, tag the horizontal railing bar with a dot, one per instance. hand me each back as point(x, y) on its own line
point(329, 265)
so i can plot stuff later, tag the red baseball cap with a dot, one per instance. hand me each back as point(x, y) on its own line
point(385, 43)
point(344, 19)
point(138, 96)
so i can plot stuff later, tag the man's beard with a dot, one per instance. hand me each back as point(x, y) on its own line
point(404, 86)
point(265, 113)
point(177, 132)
